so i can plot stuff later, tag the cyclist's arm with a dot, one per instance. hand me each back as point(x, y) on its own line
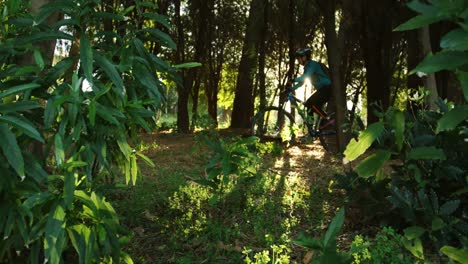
point(299, 81)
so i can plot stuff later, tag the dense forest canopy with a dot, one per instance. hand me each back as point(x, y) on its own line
point(82, 81)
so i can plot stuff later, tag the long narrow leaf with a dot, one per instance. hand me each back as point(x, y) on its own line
point(19, 89)
point(365, 140)
point(24, 126)
point(111, 72)
point(86, 58)
point(54, 234)
point(11, 150)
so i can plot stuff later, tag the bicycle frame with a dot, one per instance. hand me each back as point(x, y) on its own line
point(297, 103)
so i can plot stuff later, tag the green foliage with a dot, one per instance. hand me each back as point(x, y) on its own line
point(421, 157)
point(231, 158)
point(58, 136)
point(386, 247)
point(326, 245)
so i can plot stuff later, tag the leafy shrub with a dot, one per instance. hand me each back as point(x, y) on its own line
point(58, 135)
point(421, 158)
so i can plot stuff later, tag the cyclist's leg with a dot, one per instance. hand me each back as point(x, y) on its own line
point(317, 100)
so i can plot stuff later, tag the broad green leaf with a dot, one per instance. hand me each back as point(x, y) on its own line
point(59, 150)
point(106, 114)
point(463, 77)
point(54, 234)
point(456, 254)
point(163, 37)
point(19, 89)
point(370, 165)
point(398, 125)
point(92, 113)
point(86, 58)
point(187, 65)
point(456, 39)
point(418, 22)
point(422, 8)
point(111, 72)
point(422, 153)
point(69, 190)
point(449, 207)
point(134, 169)
point(308, 242)
point(49, 113)
point(11, 150)
point(415, 247)
point(124, 146)
point(158, 18)
point(452, 119)
point(36, 199)
point(334, 228)
point(414, 232)
point(437, 224)
point(365, 140)
point(38, 58)
point(24, 126)
point(42, 36)
point(18, 106)
point(146, 159)
point(444, 60)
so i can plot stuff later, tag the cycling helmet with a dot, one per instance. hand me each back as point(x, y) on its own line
point(303, 52)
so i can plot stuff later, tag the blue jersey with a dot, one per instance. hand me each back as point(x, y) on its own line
point(314, 72)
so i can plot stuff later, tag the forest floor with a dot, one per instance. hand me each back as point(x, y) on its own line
point(176, 220)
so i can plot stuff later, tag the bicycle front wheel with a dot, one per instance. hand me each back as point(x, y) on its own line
point(274, 123)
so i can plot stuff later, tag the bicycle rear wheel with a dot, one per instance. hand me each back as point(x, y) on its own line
point(274, 123)
point(328, 137)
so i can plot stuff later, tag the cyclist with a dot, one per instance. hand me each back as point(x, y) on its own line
point(320, 80)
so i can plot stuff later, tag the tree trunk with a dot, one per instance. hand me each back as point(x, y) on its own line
point(183, 122)
point(243, 101)
point(429, 80)
point(335, 45)
point(261, 61)
point(377, 44)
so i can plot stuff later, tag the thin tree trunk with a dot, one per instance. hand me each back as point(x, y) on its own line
point(243, 108)
point(183, 123)
point(429, 80)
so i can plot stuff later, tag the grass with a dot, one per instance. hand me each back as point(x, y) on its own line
point(176, 220)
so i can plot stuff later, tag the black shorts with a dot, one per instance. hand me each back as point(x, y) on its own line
point(319, 98)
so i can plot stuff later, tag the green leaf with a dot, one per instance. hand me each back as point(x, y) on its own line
point(92, 113)
point(42, 36)
point(18, 106)
point(19, 89)
point(437, 224)
point(418, 22)
point(163, 37)
point(422, 153)
point(334, 228)
point(449, 207)
point(365, 140)
point(308, 242)
point(452, 119)
point(106, 113)
point(158, 18)
point(11, 150)
point(146, 159)
point(422, 8)
point(456, 39)
point(111, 72)
point(124, 146)
point(455, 254)
point(187, 65)
point(36, 199)
point(69, 190)
point(370, 165)
point(38, 58)
point(86, 58)
point(444, 60)
point(134, 169)
point(463, 77)
point(59, 150)
point(24, 126)
point(415, 247)
point(398, 125)
point(54, 234)
point(414, 232)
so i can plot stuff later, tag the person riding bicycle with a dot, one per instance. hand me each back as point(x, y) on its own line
point(320, 80)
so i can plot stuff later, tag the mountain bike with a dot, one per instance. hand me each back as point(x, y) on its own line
point(278, 123)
